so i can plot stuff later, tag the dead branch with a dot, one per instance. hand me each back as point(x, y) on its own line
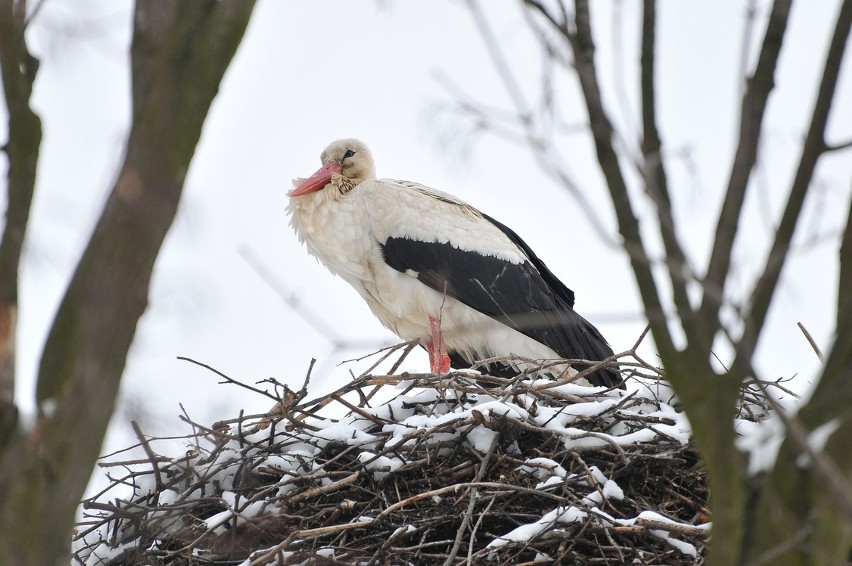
point(813, 148)
point(759, 86)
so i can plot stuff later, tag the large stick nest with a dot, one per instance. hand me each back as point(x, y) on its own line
point(451, 469)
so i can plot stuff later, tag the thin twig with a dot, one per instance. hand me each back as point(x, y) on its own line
point(229, 379)
point(813, 148)
point(810, 339)
point(152, 456)
point(754, 103)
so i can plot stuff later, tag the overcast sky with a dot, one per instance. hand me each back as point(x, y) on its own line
point(308, 73)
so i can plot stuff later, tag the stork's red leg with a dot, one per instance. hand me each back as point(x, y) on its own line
point(438, 358)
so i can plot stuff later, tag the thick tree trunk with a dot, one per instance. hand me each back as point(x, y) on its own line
point(179, 54)
point(801, 513)
point(22, 148)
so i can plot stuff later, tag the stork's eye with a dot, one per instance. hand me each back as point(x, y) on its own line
point(349, 153)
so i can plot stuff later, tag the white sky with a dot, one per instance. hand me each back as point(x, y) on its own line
point(311, 72)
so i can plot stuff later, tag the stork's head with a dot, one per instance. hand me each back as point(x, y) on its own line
point(345, 165)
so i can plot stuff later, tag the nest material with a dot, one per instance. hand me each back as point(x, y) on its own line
point(448, 470)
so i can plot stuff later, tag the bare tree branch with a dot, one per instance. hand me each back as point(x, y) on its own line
point(810, 340)
point(833, 394)
point(602, 131)
point(814, 146)
point(824, 465)
point(753, 110)
point(795, 497)
point(844, 292)
point(839, 146)
point(179, 54)
point(18, 69)
point(654, 169)
point(811, 511)
point(533, 136)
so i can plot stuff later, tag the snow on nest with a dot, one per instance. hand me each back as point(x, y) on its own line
point(526, 471)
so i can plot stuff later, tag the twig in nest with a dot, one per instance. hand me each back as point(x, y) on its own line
point(810, 339)
point(152, 456)
point(229, 379)
point(472, 496)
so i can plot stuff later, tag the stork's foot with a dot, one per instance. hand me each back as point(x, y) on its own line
point(439, 360)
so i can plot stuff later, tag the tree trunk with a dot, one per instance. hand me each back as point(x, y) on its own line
point(18, 73)
point(179, 54)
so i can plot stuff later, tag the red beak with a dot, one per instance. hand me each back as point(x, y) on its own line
point(316, 181)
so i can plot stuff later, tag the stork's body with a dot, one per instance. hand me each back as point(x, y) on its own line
point(420, 257)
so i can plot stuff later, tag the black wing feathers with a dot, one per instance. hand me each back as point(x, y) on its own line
point(553, 282)
point(527, 296)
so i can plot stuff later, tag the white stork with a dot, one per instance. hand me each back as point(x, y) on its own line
point(434, 268)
